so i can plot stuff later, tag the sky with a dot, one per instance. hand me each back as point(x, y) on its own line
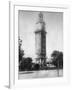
point(54, 28)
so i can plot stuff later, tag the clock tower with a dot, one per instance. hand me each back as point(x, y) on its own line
point(40, 40)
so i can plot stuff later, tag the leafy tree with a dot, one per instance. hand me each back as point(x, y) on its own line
point(26, 64)
point(36, 67)
point(57, 59)
point(21, 52)
point(60, 60)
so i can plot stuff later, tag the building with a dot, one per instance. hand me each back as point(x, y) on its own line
point(40, 40)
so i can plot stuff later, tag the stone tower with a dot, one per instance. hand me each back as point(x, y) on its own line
point(40, 40)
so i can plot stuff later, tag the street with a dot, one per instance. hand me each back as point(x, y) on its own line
point(40, 74)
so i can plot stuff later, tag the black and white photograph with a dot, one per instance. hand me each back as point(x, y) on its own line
point(36, 44)
point(40, 44)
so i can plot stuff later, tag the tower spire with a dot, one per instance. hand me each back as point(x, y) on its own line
point(40, 24)
point(40, 17)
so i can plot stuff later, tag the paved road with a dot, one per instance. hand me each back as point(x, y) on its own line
point(40, 74)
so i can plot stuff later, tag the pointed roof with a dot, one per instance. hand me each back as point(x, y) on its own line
point(40, 17)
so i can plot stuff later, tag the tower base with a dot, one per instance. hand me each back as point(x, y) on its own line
point(41, 62)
